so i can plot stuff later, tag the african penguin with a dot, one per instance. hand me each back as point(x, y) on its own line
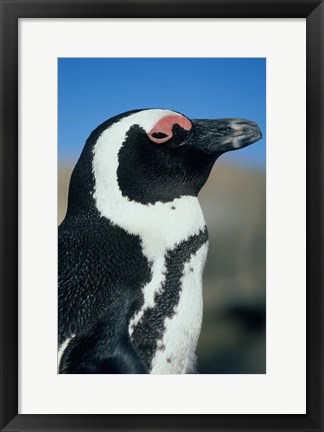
point(133, 244)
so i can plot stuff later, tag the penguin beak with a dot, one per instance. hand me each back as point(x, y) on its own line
point(223, 135)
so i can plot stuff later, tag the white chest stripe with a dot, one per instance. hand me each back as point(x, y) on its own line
point(182, 330)
point(153, 287)
point(62, 348)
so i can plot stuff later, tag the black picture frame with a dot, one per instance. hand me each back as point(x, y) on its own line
point(11, 12)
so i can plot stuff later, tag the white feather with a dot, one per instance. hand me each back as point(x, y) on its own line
point(62, 348)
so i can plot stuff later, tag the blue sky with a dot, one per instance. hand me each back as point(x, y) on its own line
point(91, 90)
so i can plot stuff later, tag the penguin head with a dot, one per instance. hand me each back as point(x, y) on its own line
point(156, 155)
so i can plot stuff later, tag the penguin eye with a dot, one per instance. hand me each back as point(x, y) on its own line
point(167, 126)
point(159, 135)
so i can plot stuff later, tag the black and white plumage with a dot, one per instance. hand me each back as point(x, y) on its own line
point(133, 244)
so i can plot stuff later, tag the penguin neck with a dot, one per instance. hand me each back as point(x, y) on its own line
point(161, 226)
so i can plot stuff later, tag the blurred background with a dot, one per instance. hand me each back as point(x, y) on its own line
point(91, 90)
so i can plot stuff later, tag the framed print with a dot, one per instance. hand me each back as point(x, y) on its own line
point(113, 115)
point(164, 279)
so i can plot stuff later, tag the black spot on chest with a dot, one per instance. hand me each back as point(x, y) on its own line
point(150, 328)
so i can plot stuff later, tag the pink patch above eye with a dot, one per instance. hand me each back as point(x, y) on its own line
point(162, 130)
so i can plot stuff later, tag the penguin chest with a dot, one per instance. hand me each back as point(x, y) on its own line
point(165, 330)
point(175, 353)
